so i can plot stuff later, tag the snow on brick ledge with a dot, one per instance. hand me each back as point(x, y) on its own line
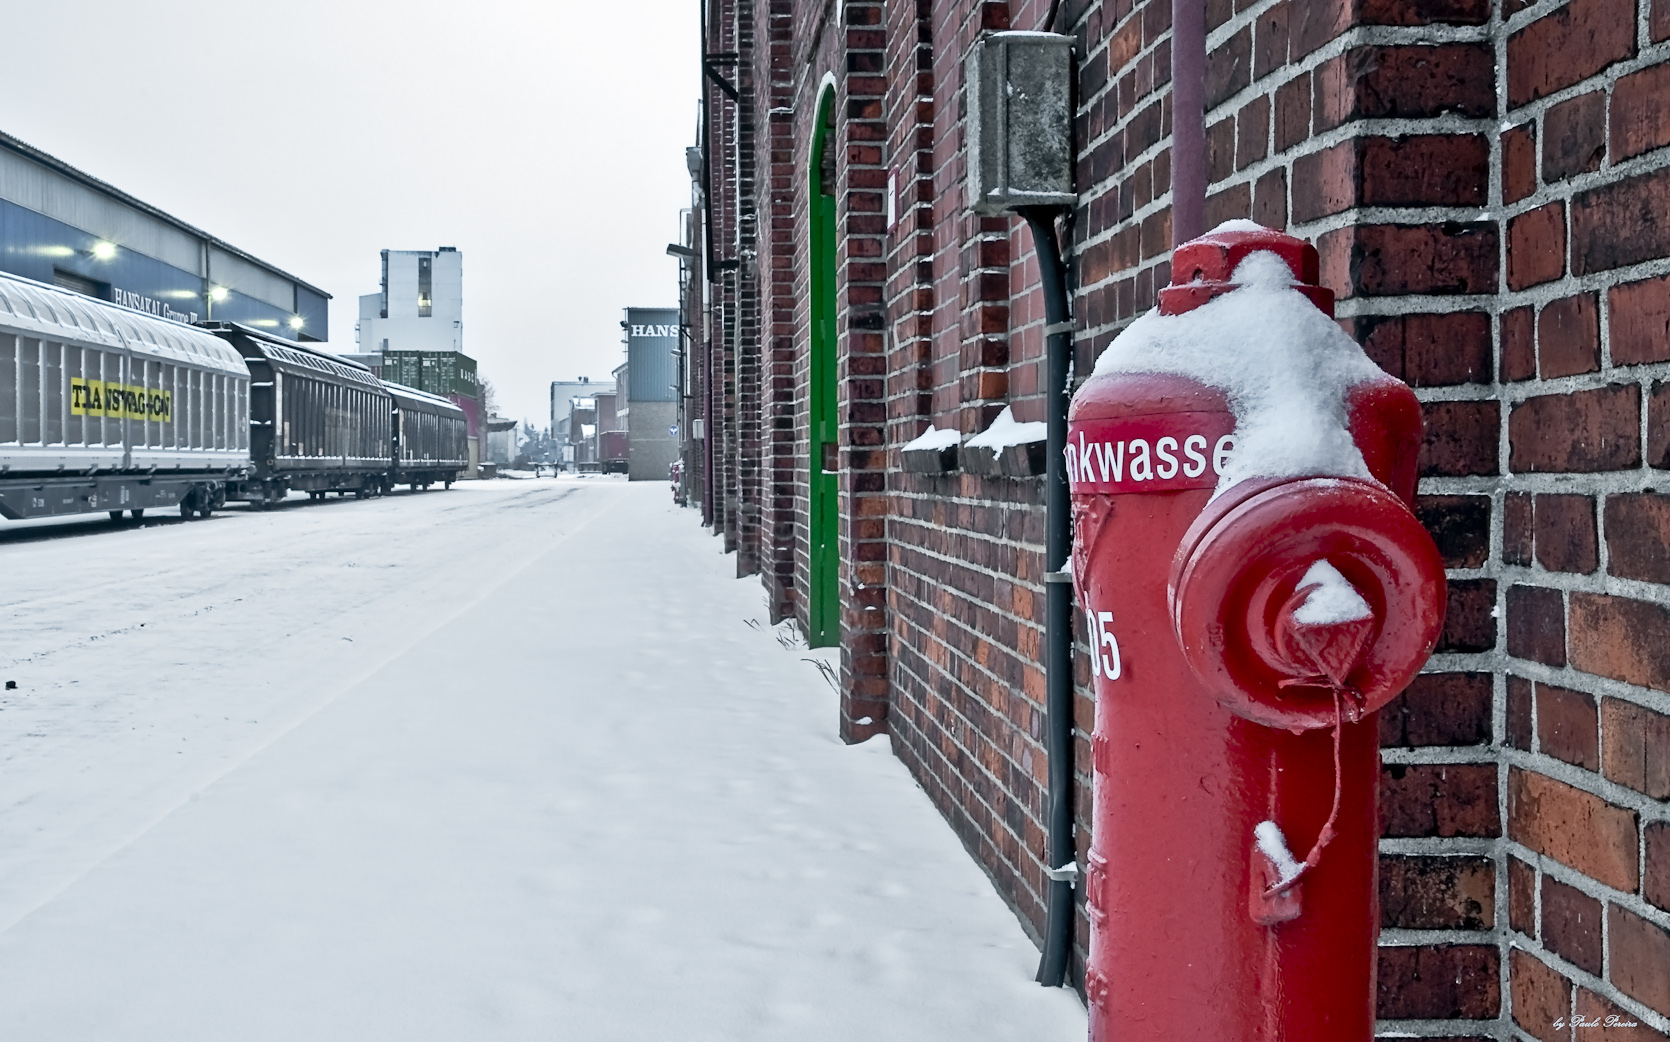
point(1006, 449)
point(935, 452)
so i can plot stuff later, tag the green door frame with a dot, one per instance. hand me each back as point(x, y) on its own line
point(824, 609)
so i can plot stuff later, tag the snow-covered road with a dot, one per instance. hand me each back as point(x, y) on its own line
point(517, 760)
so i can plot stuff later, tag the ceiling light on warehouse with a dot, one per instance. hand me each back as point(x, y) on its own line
point(217, 293)
point(104, 250)
point(295, 321)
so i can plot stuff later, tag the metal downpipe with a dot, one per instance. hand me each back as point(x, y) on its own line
point(1188, 120)
point(1058, 604)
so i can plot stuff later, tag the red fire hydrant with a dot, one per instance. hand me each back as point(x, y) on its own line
point(1255, 587)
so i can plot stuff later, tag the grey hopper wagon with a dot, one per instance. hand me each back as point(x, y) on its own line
point(104, 408)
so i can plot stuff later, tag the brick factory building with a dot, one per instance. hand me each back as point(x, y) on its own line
point(1488, 184)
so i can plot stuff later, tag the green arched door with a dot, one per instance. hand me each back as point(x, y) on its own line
point(824, 611)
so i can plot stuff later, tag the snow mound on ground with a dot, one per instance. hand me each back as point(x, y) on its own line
point(1283, 364)
point(1005, 432)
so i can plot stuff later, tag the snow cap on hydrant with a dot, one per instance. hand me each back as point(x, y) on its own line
point(1244, 316)
point(1254, 587)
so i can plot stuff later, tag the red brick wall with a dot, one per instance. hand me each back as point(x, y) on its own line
point(861, 288)
point(725, 291)
point(1489, 186)
point(751, 461)
point(761, 146)
point(1583, 317)
point(1488, 189)
point(964, 552)
point(782, 502)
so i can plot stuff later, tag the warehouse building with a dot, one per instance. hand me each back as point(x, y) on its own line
point(67, 228)
point(650, 391)
point(570, 439)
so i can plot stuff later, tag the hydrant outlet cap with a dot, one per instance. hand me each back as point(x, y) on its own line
point(1203, 268)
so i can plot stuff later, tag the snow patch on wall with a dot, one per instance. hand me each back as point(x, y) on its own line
point(1284, 366)
point(1005, 432)
point(934, 438)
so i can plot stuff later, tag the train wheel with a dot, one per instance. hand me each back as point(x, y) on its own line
point(115, 515)
point(204, 511)
point(137, 514)
point(185, 508)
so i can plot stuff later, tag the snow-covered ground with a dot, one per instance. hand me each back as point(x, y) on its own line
point(517, 760)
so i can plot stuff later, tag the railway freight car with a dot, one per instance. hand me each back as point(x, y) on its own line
point(317, 423)
point(430, 438)
point(107, 408)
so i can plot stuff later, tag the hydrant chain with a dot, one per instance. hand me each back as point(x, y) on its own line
point(1326, 836)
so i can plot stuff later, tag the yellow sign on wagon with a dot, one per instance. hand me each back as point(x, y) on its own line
point(119, 401)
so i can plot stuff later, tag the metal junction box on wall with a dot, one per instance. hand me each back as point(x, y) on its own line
point(1020, 121)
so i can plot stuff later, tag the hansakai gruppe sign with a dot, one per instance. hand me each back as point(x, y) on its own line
point(119, 401)
point(1160, 452)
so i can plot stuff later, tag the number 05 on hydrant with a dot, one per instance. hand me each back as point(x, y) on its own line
point(1255, 587)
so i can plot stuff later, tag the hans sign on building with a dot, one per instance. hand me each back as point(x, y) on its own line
point(650, 390)
point(652, 355)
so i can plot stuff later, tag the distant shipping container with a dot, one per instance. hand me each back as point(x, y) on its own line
point(613, 447)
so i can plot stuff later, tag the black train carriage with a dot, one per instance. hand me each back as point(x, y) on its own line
point(430, 436)
point(317, 423)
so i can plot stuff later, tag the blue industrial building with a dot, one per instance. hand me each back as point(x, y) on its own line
point(66, 228)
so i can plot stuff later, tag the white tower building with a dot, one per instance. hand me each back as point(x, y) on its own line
point(421, 306)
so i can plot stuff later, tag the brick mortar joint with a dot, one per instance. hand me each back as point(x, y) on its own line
point(953, 729)
point(1566, 188)
point(962, 627)
point(1592, 783)
point(1588, 885)
point(1533, 110)
point(1138, 215)
point(1589, 282)
point(1400, 937)
point(1579, 976)
point(1441, 1029)
point(1440, 755)
point(1587, 683)
point(1441, 846)
point(1574, 582)
point(1439, 32)
point(1357, 36)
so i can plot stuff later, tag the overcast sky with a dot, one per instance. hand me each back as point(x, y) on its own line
point(543, 138)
